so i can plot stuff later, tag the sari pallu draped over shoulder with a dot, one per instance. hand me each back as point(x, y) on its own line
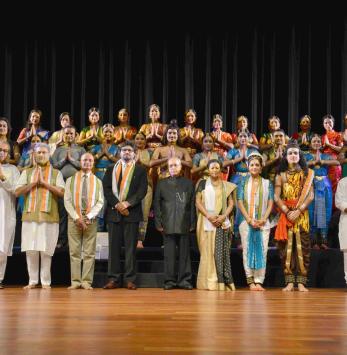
point(255, 255)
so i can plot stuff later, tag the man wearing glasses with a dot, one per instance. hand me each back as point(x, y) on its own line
point(125, 185)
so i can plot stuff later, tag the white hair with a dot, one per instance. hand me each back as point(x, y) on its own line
point(172, 158)
point(41, 145)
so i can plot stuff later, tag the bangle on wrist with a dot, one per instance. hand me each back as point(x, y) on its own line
point(285, 209)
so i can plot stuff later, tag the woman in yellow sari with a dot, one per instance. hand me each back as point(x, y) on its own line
point(91, 136)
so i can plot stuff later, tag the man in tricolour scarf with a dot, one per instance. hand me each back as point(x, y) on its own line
point(84, 199)
point(41, 185)
point(125, 185)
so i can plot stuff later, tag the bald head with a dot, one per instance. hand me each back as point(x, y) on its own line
point(87, 162)
point(175, 166)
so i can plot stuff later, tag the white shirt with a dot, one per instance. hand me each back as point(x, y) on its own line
point(99, 202)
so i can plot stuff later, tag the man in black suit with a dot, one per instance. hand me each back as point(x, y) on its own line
point(174, 209)
point(125, 185)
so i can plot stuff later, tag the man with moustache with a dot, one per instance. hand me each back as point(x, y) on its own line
point(41, 185)
point(273, 156)
point(84, 199)
point(67, 159)
point(9, 176)
point(174, 210)
point(125, 185)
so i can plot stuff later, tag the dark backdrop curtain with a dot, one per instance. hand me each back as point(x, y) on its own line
point(253, 70)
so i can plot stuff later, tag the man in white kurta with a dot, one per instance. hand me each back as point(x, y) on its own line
point(341, 204)
point(9, 176)
point(41, 185)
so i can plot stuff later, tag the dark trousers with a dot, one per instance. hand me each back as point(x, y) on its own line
point(118, 233)
point(62, 221)
point(184, 266)
point(290, 254)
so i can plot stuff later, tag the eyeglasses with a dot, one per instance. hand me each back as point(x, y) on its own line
point(4, 150)
point(127, 150)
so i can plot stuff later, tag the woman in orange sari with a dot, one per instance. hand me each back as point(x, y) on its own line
point(222, 141)
point(153, 131)
point(242, 125)
point(332, 145)
point(191, 137)
point(343, 153)
point(124, 132)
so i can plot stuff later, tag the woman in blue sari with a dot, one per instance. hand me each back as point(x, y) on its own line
point(104, 154)
point(320, 210)
point(33, 128)
point(237, 158)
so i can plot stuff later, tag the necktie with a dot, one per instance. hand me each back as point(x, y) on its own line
point(84, 198)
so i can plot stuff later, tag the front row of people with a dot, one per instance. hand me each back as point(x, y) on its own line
point(176, 204)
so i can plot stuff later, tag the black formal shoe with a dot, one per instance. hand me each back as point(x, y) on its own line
point(131, 286)
point(110, 285)
point(169, 287)
point(186, 287)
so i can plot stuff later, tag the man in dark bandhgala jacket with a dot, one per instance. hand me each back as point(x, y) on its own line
point(174, 210)
point(125, 185)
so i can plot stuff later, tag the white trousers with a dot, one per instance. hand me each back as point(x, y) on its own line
point(33, 261)
point(3, 262)
point(258, 275)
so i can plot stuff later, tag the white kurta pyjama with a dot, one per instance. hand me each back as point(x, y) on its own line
point(40, 236)
point(341, 204)
point(8, 208)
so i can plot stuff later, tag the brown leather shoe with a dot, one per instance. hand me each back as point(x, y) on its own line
point(131, 286)
point(110, 285)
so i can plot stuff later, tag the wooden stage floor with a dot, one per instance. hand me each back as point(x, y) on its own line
point(156, 321)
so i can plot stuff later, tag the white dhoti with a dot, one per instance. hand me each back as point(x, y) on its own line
point(39, 239)
point(341, 204)
point(41, 236)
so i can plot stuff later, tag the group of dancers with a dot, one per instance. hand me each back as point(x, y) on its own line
point(221, 185)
